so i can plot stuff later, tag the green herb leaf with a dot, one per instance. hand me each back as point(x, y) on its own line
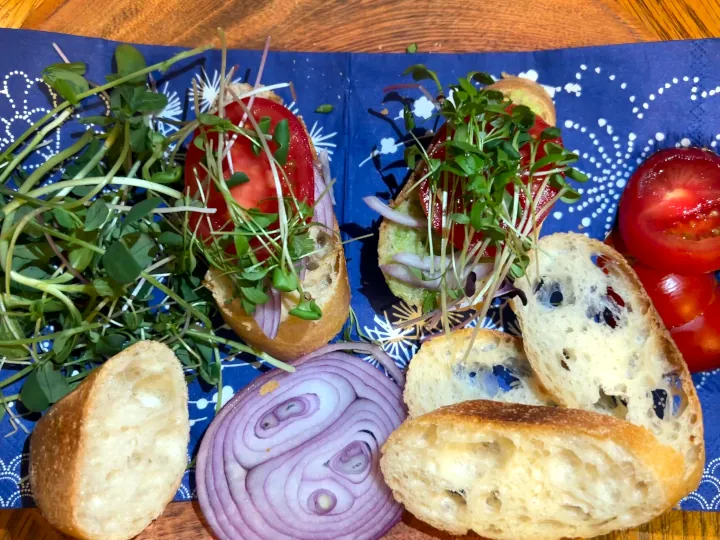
point(264, 124)
point(80, 258)
point(412, 48)
point(256, 296)
point(284, 282)
point(64, 218)
point(550, 133)
point(462, 219)
point(241, 245)
point(281, 136)
point(570, 196)
point(255, 275)
point(169, 176)
point(144, 250)
point(141, 210)
point(43, 386)
point(96, 215)
point(104, 288)
point(307, 310)
point(110, 345)
point(67, 83)
point(324, 109)
point(97, 120)
point(408, 117)
point(75, 67)
point(170, 239)
point(420, 72)
point(129, 60)
point(237, 179)
point(481, 77)
point(120, 264)
point(576, 175)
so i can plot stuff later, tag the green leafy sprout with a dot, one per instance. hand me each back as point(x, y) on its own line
point(488, 188)
point(106, 255)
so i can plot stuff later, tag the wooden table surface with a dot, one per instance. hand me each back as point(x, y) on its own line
point(369, 25)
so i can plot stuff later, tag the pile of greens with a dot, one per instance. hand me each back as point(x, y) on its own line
point(95, 248)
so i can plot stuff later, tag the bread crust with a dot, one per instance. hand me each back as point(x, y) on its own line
point(436, 354)
point(58, 448)
point(694, 471)
point(296, 337)
point(475, 416)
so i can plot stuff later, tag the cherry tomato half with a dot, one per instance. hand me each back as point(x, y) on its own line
point(259, 192)
point(699, 340)
point(458, 204)
point(669, 214)
point(689, 305)
point(678, 299)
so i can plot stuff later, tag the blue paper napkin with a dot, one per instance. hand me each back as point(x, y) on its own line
point(616, 105)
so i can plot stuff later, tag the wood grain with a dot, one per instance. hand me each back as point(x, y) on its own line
point(369, 25)
point(182, 521)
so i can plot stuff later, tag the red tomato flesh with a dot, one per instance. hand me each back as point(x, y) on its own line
point(678, 299)
point(669, 214)
point(458, 204)
point(259, 192)
point(689, 305)
point(699, 340)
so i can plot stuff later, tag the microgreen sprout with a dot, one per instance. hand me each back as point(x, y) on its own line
point(488, 182)
point(109, 253)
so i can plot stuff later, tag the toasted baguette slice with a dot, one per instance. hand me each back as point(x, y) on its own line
point(496, 369)
point(328, 285)
point(394, 238)
point(511, 471)
point(107, 458)
point(326, 281)
point(596, 342)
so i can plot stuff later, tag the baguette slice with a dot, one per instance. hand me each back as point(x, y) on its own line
point(495, 369)
point(327, 282)
point(596, 342)
point(394, 238)
point(107, 458)
point(511, 471)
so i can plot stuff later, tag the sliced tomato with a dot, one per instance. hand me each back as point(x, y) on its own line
point(699, 340)
point(259, 192)
point(678, 299)
point(669, 214)
point(457, 203)
point(689, 305)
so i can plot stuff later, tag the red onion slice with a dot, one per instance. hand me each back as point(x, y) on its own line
point(324, 213)
point(267, 315)
point(324, 160)
point(403, 273)
point(393, 215)
point(295, 455)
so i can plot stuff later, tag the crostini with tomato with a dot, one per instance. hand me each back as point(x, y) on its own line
point(460, 230)
point(278, 271)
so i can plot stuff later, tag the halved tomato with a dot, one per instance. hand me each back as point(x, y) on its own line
point(699, 340)
point(689, 305)
point(678, 299)
point(457, 203)
point(669, 214)
point(259, 192)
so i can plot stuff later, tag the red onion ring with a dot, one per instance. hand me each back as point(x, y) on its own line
point(295, 455)
point(324, 213)
point(267, 315)
point(324, 160)
point(393, 215)
point(403, 273)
